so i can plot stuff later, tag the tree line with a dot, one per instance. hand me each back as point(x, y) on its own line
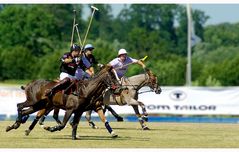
point(33, 38)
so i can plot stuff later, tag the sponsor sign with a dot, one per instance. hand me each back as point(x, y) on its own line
point(190, 101)
point(172, 100)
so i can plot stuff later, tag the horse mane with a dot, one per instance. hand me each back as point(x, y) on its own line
point(136, 76)
point(138, 79)
point(90, 84)
point(148, 72)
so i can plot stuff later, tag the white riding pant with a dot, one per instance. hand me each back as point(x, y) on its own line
point(66, 75)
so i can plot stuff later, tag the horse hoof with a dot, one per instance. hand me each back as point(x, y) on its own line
point(74, 138)
point(27, 132)
point(113, 134)
point(92, 125)
point(146, 128)
point(41, 123)
point(95, 127)
point(8, 128)
point(16, 125)
point(46, 128)
point(120, 119)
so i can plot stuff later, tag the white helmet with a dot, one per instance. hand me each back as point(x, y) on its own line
point(88, 46)
point(122, 51)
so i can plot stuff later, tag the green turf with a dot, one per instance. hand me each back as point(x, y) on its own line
point(161, 135)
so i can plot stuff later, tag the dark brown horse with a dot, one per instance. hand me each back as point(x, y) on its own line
point(89, 97)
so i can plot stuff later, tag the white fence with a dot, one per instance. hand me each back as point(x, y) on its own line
point(172, 100)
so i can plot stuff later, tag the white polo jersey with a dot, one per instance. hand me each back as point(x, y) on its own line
point(122, 67)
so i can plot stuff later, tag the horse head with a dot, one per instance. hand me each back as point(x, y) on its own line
point(94, 86)
point(153, 82)
point(111, 79)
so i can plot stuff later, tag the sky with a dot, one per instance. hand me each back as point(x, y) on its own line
point(218, 13)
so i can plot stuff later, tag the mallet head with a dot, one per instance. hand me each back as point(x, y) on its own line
point(94, 8)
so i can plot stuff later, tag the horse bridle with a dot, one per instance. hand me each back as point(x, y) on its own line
point(148, 80)
point(105, 82)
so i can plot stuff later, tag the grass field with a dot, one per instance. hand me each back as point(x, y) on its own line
point(161, 135)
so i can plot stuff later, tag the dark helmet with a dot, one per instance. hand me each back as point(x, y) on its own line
point(75, 47)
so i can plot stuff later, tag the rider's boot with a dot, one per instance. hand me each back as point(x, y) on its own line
point(59, 86)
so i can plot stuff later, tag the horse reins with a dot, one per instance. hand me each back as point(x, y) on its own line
point(147, 77)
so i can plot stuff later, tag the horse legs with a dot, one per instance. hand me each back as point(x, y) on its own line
point(75, 123)
point(59, 127)
point(134, 103)
point(141, 121)
point(55, 116)
point(118, 117)
point(107, 125)
point(145, 114)
point(14, 126)
point(39, 115)
point(88, 118)
point(20, 119)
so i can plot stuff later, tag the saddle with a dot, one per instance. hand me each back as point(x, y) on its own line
point(117, 91)
point(71, 88)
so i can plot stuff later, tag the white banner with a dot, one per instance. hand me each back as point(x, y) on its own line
point(172, 100)
point(190, 101)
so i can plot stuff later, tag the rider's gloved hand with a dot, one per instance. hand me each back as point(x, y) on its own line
point(100, 65)
point(146, 69)
point(68, 60)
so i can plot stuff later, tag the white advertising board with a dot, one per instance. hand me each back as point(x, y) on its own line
point(172, 100)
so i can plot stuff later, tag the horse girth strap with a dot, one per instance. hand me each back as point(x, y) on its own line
point(93, 101)
point(64, 98)
point(71, 85)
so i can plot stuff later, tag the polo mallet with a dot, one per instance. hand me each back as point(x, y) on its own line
point(78, 33)
point(86, 34)
point(73, 28)
point(143, 59)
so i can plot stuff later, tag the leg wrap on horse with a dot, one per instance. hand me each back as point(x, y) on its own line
point(33, 123)
point(74, 130)
point(88, 115)
point(107, 126)
point(42, 119)
point(56, 115)
point(92, 125)
point(141, 121)
point(24, 118)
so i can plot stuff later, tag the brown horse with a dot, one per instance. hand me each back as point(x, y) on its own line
point(88, 98)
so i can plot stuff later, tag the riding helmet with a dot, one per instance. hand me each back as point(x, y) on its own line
point(89, 46)
point(75, 47)
point(122, 51)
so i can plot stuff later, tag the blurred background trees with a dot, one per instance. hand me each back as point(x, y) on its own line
point(33, 38)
